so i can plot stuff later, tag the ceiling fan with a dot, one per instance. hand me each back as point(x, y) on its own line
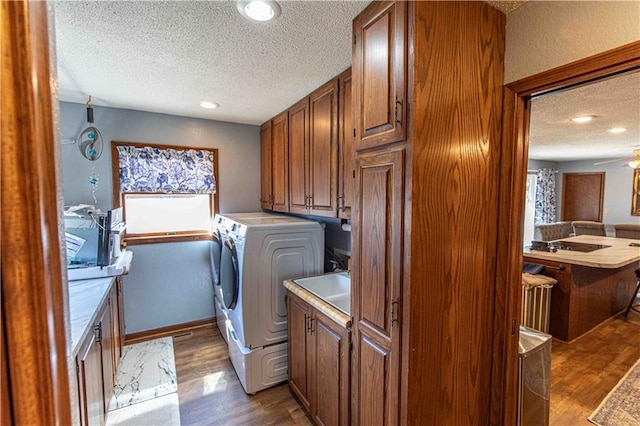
point(633, 162)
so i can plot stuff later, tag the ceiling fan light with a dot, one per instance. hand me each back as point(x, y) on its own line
point(615, 130)
point(635, 164)
point(583, 118)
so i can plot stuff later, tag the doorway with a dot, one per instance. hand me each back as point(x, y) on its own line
point(582, 196)
point(516, 125)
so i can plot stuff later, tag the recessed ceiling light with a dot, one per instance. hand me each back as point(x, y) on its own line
point(617, 130)
point(209, 105)
point(583, 119)
point(259, 10)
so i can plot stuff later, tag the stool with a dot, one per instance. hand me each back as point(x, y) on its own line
point(633, 297)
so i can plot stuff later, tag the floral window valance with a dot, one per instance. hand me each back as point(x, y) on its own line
point(150, 169)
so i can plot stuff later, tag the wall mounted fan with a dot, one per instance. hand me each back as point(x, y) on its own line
point(633, 162)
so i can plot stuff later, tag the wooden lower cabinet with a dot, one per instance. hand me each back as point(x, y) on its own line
point(376, 287)
point(97, 361)
point(319, 363)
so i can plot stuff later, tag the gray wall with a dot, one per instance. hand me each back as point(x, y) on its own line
point(168, 283)
point(618, 186)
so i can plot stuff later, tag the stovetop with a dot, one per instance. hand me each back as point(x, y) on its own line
point(566, 245)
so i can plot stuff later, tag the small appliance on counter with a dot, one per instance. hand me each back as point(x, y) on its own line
point(94, 243)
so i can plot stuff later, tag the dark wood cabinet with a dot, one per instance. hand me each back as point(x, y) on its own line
point(280, 162)
point(330, 371)
point(300, 355)
point(322, 165)
point(98, 359)
point(423, 282)
point(346, 147)
point(90, 384)
point(299, 157)
point(379, 74)
point(266, 193)
point(319, 363)
point(376, 299)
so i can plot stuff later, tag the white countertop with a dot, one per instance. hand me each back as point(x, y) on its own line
point(85, 297)
point(618, 255)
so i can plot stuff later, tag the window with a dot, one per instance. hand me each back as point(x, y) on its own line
point(168, 193)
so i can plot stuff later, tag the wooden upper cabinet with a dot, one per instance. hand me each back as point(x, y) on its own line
point(266, 195)
point(379, 74)
point(298, 156)
point(280, 162)
point(346, 148)
point(376, 287)
point(323, 150)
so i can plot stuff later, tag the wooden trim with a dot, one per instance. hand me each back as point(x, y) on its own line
point(32, 278)
point(606, 64)
point(512, 183)
point(155, 239)
point(170, 330)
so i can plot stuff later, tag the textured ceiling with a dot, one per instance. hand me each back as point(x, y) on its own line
point(167, 57)
point(615, 102)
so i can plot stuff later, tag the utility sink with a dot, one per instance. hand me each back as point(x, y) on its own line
point(334, 289)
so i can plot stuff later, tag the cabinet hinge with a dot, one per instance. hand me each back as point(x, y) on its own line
point(97, 330)
point(394, 311)
point(77, 368)
point(513, 327)
point(354, 39)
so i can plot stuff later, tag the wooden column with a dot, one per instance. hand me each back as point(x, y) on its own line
point(33, 350)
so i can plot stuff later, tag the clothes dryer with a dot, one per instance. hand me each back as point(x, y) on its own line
point(259, 252)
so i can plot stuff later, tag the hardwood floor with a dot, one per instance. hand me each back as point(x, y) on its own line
point(584, 371)
point(211, 394)
point(582, 374)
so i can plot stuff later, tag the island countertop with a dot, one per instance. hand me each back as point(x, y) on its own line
point(618, 255)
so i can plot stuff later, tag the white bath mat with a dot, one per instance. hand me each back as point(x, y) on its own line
point(147, 370)
point(164, 410)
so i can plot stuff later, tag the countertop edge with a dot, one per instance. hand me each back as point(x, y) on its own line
point(335, 314)
point(76, 344)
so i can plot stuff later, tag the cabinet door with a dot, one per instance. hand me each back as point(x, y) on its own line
point(323, 150)
point(90, 384)
point(379, 72)
point(266, 195)
point(346, 148)
point(280, 165)
point(116, 328)
point(331, 371)
point(376, 287)
point(298, 347)
point(108, 347)
point(298, 156)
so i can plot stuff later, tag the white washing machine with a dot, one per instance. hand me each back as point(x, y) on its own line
point(258, 251)
point(221, 226)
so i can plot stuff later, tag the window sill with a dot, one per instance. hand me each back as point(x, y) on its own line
point(160, 239)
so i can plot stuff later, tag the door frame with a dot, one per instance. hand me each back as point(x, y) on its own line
point(34, 350)
point(513, 172)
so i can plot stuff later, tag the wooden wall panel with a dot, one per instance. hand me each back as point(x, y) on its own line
point(32, 287)
point(455, 157)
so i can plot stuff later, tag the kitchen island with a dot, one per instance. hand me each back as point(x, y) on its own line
point(592, 286)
